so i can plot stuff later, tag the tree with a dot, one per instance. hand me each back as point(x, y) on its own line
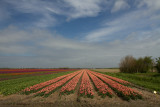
point(127, 64)
point(131, 65)
point(158, 64)
point(144, 64)
point(139, 65)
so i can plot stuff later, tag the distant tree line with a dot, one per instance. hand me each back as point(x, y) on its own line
point(158, 64)
point(129, 64)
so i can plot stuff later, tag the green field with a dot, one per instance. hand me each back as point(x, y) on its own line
point(13, 86)
point(150, 80)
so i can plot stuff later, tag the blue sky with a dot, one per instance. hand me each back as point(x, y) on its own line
point(77, 33)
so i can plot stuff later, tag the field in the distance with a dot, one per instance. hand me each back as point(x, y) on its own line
point(7, 74)
point(114, 70)
point(74, 88)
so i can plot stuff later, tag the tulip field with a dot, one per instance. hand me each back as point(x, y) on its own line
point(90, 82)
point(7, 74)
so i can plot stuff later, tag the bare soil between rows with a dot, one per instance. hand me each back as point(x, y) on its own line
point(72, 100)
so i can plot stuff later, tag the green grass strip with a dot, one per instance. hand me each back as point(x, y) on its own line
point(150, 80)
point(8, 87)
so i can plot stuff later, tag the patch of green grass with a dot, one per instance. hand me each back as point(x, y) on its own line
point(13, 86)
point(150, 80)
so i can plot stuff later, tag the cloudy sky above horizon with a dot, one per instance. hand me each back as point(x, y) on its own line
point(77, 33)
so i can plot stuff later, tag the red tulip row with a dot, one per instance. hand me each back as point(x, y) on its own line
point(8, 71)
point(49, 89)
point(116, 79)
point(86, 87)
point(123, 91)
point(101, 87)
point(36, 87)
point(70, 86)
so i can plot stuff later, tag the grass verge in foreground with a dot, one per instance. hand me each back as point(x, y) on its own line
point(148, 80)
point(13, 86)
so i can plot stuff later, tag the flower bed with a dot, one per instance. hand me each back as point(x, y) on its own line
point(86, 87)
point(37, 87)
point(51, 88)
point(104, 85)
point(116, 79)
point(123, 91)
point(70, 86)
point(101, 87)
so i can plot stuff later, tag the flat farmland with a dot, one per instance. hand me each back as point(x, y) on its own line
point(75, 88)
point(114, 70)
point(7, 74)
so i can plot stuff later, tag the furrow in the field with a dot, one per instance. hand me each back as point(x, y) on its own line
point(36, 87)
point(101, 87)
point(125, 92)
point(49, 89)
point(86, 88)
point(70, 86)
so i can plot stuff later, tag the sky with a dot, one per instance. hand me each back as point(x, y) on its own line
point(77, 33)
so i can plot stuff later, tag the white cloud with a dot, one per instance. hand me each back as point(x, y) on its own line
point(101, 34)
point(37, 10)
point(151, 4)
point(45, 12)
point(45, 21)
point(123, 25)
point(13, 38)
point(84, 8)
point(40, 48)
point(120, 5)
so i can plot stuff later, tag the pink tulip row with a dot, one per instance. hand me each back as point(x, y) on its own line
point(102, 88)
point(116, 79)
point(86, 87)
point(70, 86)
point(120, 89)
point(48, 90)
point(36, 87)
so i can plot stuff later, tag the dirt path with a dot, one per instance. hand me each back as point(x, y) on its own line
point(149, 100)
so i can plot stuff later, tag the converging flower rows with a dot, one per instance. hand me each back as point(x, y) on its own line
point(117, 79)
point(123, 91)
point(71, 85)
point(51, 88)
point(86, 88)
point(103, 84)
point(36, 87)
point(101, 87)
